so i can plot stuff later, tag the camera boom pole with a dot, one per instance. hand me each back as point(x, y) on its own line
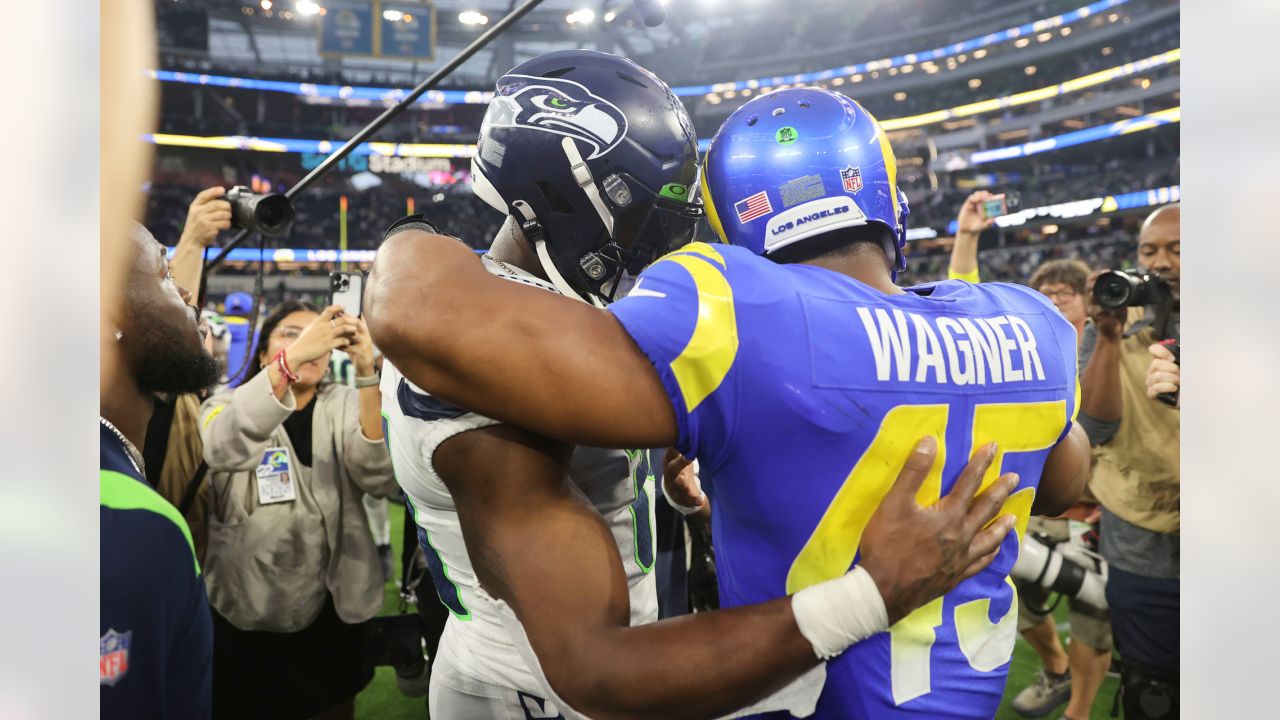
point(368, 130)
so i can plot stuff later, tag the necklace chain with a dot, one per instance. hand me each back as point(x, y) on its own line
point(135, 457)
point(502, 265)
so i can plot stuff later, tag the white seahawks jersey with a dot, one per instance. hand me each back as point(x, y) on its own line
point(476, 652)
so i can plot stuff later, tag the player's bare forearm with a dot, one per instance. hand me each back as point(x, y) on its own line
point(1065, 473)
point(513, 352)
point(536, 544)
point(1100, 395)
point(558, 567)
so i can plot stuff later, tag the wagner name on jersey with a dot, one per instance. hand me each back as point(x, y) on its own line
point(477, 653)
point(801, 392)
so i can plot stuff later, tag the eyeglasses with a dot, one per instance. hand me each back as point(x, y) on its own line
point(1063, 294)
point(288, 332)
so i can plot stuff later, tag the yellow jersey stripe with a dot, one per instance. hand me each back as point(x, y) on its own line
point(705, 361)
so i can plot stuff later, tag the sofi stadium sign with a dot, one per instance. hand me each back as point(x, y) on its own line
point(386, 164)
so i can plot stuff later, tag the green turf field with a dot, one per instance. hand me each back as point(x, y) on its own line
point(382, 701)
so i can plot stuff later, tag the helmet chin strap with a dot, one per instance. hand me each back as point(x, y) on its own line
point(544, 257)
point(582, 176)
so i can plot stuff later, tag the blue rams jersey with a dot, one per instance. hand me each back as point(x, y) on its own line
point(802, 392)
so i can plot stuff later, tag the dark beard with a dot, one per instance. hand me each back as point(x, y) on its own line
point(165, 362)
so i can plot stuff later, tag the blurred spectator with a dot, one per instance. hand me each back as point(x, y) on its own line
point(173, 451)
point(1064, 283)
point(156, 643)
point(292, 571)
point(1137, 478)
point(970, 222)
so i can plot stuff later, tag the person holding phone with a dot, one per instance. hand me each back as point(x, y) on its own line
point(291, 567)
point(970, 223)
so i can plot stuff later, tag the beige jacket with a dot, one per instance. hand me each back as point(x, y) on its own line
point(1138, 474)
point(269, 567)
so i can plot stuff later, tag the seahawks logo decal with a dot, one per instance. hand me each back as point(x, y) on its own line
point(562, 107)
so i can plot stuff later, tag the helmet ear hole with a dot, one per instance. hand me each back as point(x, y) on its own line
point(558, 203)
point(751, 121)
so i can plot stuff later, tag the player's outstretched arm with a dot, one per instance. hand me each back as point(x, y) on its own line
point(509, 351)
point(538, 546)
point(1065, 472)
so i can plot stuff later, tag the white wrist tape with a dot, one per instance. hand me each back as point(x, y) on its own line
point(835, 614)
point(682, 509)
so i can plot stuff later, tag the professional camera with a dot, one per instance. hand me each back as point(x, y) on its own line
point(1115, 289)
point(396, 640)
point(1065, 567)
point(270, 214)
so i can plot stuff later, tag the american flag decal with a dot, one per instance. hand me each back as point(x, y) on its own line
point(753, 207)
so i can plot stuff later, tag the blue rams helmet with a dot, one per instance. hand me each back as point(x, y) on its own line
point(794, 164)
point(594, 157)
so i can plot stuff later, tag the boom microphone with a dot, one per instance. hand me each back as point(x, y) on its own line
point(654, 12)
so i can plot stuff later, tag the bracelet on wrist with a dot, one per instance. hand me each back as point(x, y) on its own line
point(367, 380)
point(289, 376)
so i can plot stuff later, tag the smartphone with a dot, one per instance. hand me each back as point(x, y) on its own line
point(1002, 204)
point(347, 290)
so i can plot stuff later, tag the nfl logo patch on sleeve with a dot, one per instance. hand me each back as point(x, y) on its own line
point(113, 656)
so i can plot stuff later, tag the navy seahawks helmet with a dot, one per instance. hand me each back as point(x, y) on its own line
point(594, 157)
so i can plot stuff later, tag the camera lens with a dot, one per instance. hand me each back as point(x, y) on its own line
point(273, 211)
point(1113, 290)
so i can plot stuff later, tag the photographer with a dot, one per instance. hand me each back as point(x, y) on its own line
point(292, 573)
point(1137, 475)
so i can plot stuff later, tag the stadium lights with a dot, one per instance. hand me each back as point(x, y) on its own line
point(1022, 42)
point(975, 83)
point(979, 53)
point(473, 17)
point(899, 96)
point(1029, 70)
point(609, 16)
point(392, 15)
point(306, 7)
point(266, 4)
point(583, 17)
point(1065, 31)
point(1044, 37)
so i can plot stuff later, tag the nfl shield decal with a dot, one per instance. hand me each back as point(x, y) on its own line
point(113, 656)
point(851, 178)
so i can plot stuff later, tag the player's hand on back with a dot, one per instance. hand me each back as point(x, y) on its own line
point(680, 482)
point(915, 553)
